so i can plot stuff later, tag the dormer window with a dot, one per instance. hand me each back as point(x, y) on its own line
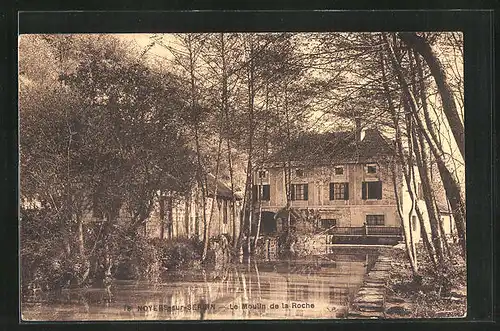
point(299, 172)
point(339, 170)
point(371, 169)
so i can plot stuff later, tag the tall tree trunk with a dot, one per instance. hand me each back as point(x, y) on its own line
point(259, 220)
point(420, 45)
point(162, 215)
point(421, 159)
point(81, 241)
point(201, 175)
point(409, 250)
point(214, 199)
point(450, 185)
point(452, 188)
point(187, 214)
point(289, 158)
point(233, 200)
point(227, 128)
point(410, 246)
point(251, 97)
point(264, 157)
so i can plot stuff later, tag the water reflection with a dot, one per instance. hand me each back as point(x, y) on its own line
point(317, 287)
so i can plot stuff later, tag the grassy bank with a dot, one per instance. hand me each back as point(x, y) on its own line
point(441, 293)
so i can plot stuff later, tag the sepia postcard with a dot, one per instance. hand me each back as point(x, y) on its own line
point(242, 176)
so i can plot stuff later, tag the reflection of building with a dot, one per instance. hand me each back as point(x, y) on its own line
point(340, 296)
point(327, 289)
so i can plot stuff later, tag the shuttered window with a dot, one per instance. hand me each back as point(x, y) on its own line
point(299, 191)
point(371, 190)
point(264, 190)
point(339, 191)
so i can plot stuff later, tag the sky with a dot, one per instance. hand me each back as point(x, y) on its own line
point(141, 41)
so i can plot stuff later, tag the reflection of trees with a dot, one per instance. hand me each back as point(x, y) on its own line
point(258, 280)
point(239, 285)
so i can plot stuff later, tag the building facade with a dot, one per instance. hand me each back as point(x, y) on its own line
point(343, 194)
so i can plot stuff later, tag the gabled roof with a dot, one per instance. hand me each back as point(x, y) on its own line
point(336, 147)
point(223, 191)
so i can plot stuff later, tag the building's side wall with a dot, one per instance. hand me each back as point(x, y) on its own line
point(410, 216)
point(448, 223)
point(187, 218)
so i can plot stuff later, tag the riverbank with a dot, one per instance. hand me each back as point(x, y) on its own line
point(370, 299)
point(405, 299)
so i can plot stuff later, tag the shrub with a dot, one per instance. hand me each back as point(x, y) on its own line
point(136, 258)
point(179, 252)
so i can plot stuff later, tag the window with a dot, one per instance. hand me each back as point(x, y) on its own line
point(375, 220)
point(299, 172)
point(328, 223)
point(262, 174)
point(339, 170)
point(371, 190)
point(299, 191)
point(339, 191)
point(262, 192)
point(414, 222)
point(371, 169)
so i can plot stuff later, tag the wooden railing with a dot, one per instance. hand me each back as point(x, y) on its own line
point(366, 231)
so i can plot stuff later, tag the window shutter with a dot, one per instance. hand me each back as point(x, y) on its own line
point(332, 191)
point(266, 194)
point(346, 191)
point(292, 191)
point(306, 192)
point(379, 190)
point(363, 190)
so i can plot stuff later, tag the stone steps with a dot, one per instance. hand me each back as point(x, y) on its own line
point(370, 299)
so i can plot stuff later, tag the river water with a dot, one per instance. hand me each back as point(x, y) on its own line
point(318, 287)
